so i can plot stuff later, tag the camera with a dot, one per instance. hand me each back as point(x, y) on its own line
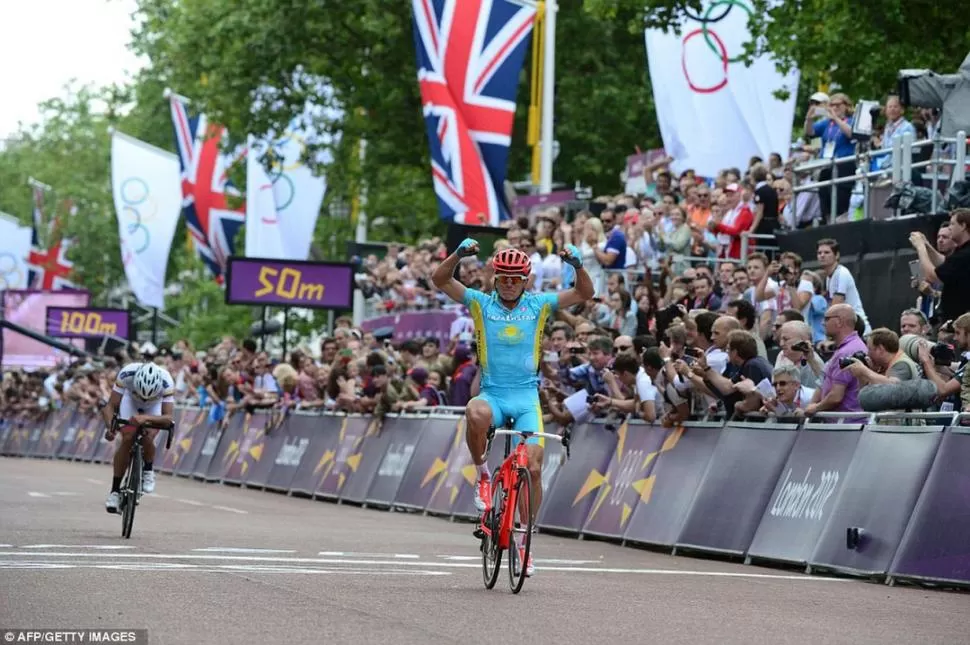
point(802, 346)
point(943, 353)
point(785, 272)
point(845, 361)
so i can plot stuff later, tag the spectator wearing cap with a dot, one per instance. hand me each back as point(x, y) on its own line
point(834, 126)
point(735, 218)
point(462, 377)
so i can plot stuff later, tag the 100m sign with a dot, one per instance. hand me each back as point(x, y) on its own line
point(86, 322)
point(288, 283)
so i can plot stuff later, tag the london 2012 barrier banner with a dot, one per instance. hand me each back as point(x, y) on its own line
point(88, 322)
point(891, 502)
point(289, 283)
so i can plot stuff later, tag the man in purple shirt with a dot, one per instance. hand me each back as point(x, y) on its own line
point(840, 390)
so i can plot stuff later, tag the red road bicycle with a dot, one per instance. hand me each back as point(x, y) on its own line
point(511, 498)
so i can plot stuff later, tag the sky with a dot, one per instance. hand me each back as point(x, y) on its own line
point(46, 43)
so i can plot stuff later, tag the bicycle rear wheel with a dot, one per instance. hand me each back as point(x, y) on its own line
point(517, 559)
point(129, 493)
point(491, 551)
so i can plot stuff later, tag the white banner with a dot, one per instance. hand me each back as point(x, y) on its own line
point(264, 237)
point(715, 113)
point(146, 183)
point(14, 251)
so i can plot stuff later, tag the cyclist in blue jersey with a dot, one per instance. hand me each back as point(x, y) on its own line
point(508, 331)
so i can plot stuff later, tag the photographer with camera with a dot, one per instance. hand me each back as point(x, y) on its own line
point(840, 388)
point(795, 340)
point(959, 385)
point(886, 362)
point(951, 271)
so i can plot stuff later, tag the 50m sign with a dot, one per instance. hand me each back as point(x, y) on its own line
point(289, 283)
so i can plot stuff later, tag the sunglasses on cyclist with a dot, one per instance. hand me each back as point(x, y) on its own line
point(509, 280)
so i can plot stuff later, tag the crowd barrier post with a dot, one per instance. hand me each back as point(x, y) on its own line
point(935, 546)
point(805, 493)
point(735, 489)
point(883, 481)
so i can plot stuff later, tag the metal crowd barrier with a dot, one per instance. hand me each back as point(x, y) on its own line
point(902, 168)
point(864, 499)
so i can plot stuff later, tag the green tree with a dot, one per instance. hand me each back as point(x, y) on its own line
point(860, 46)
point(364, 51)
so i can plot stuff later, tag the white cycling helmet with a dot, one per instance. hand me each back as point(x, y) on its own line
point(148, 382)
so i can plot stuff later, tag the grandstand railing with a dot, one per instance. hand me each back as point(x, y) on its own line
point(901, 171)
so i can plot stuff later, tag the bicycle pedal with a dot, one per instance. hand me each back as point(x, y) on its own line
point(479, 533)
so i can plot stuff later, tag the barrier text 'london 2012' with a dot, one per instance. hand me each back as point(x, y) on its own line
point(885, 501)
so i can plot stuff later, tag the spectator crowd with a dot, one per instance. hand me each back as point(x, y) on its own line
point(690, 317)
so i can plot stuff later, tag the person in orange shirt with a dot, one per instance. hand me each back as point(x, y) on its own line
point(699, 213)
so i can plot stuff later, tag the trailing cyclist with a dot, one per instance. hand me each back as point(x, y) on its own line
point(143, 393)
point(508, 332)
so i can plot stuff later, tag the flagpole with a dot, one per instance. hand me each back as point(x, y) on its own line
point(548, 95)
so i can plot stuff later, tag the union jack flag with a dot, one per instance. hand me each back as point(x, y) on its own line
point(47, 264)
point(212, 224)
point(470, 53)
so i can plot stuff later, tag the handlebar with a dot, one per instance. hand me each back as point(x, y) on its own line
point(564, 438)
point(118, 422)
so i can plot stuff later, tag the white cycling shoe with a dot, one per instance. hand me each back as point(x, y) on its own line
point(111, 504)
point(148, 482)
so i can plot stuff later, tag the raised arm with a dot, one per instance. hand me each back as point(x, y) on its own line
point(444, 276)
point(583, 290)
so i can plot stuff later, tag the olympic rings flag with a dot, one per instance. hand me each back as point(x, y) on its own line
point(14, 250)
point(714, 112)
point(146, 183)
point(296, 192)
point(264, 235)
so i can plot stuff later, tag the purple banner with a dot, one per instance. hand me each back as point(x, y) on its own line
point(245, 452)
point(432, 442)
point(805, 495)
point(416, 324)
point(211, 437)
point(288, 283)
point(87, 322)
point(325, 434)
point(880, 491)
point(568, 503)
point(383, 464)
point(228, 447)
point(453, 493)
point(342, 463)
point(740, 478)
point(936, 544)
point(555, 198)
point(187, 444)
point(86, 442)
point(301, 435)
point(627, 479)
point(669, 491)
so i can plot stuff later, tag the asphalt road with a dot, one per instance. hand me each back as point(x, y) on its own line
point(216, 564)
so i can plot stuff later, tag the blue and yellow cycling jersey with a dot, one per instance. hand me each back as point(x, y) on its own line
point(510, 340)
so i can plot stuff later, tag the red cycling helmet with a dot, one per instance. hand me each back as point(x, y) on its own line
point(512, 262)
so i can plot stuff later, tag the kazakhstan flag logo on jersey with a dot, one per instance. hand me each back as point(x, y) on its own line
point(511, 334)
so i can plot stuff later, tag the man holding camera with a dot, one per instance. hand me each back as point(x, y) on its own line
point(840, 388)
point(959, 384)
point(887, 362)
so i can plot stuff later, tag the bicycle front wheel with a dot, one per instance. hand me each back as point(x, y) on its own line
point(491, 551)
point(518, 558)
point(129, 492)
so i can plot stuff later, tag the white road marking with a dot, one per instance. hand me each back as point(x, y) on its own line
point(33, 494)
point(187, 501)
point(231, 509)
point(229, 568)
point(232, 549)
point(158, 495)
point(92, 480)
point(351, 554)
point(398, 563)
point(106, 547)
point(66, 494)
point(464, 558)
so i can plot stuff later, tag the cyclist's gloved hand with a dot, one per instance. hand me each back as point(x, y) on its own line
point(571, 256)
point(467, 248)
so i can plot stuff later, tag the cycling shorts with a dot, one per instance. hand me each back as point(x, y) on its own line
point(521, 405)
point(130, 408)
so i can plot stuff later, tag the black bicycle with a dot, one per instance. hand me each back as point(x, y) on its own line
point(131, 484)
